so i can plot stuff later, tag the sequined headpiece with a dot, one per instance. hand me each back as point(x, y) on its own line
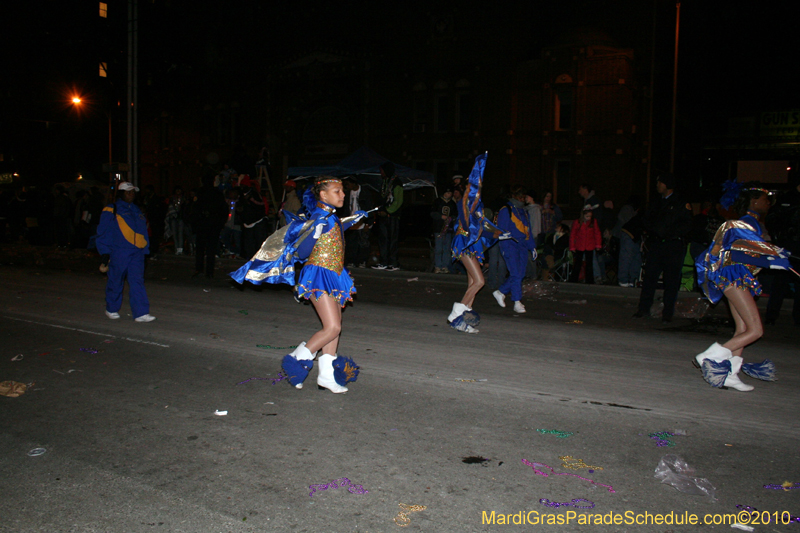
point(328, 179)
point(765, 191)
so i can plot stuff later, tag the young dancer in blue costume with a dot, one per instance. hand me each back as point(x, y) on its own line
point(728, 268)
point(513, 219)
point(315, 238)
point(473, 235)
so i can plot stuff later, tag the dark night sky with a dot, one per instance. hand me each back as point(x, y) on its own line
point(733, 60)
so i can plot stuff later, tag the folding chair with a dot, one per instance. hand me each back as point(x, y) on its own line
point(562, 268)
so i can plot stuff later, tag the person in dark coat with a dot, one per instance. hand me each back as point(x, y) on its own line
point(666, 224)
point(208, 216)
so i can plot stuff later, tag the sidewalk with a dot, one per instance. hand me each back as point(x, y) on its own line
point(414, 261)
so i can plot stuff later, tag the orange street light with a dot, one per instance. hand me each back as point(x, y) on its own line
point(76, 100)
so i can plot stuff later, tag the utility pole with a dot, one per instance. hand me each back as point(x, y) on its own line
point(674, 87)
point(133, 74)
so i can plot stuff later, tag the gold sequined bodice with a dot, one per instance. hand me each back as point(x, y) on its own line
point(328, 252)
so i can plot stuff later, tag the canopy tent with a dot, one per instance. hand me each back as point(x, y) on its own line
point(364, 164)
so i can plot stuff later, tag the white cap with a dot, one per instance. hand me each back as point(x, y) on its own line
point(127, 186)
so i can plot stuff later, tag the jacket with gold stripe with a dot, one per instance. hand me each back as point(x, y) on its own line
point(122, 228)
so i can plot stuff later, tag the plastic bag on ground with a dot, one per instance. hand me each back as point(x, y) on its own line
point(539, 289)
point(692, 307)
point(673, 470)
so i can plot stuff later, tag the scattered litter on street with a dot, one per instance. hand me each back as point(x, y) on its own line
point(220, 413)
point(17, 357)
point(535, 466)
point(673, 470)
point(786, 485)
point(557, 433)
point(576, 464)
point(338, 483)
point(737, 525)
point(402, 518)
point(412, 279)
point(206, 290)
point(36, 452)
point(89, 350)
point(574, 322)
point(662, 438)
point(470, 380)
point(281, 376)
point(785, 516)
point(270, 347)
point(539, 289)
point(12, 389)
point(575, 302)
point(574, 503)
point(243, 312)
point(474, 459)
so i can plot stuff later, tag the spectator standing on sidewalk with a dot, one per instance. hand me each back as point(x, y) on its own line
point(389, 218)
point(62, 217)
point(444, 214)
point(356, 239)
point(584, 240)
point(174, 220)
point(628, 231)
point(785, 224)
point(123, 242)
point(665, 224)
point(209, 214)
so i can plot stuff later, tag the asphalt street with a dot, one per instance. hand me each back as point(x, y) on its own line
point(437, 419)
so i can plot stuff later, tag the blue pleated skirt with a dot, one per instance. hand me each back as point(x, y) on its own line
point(314, 281)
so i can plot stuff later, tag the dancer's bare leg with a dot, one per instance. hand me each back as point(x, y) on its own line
point(748, 322)
point(475, 280)
point(330, 313)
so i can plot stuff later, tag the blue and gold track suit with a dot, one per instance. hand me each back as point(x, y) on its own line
point(513, 219)
point(124, 237)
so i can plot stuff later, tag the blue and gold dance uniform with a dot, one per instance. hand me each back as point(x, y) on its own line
point(315, 240)
point(474, 233)
point(324, 271)
point(743, 253)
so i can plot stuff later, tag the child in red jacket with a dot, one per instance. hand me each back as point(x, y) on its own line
point(584, 239)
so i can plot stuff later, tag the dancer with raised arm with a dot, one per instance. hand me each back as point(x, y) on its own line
point(314, 238)
point(473, 235)
point(728, 268)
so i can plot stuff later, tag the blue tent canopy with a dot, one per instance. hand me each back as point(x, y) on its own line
point(364, 164)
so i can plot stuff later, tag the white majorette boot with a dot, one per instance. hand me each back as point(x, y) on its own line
point(501, 298)
point(298, 372)
point(733, 380)
point(519, 308)
point(458, 310)
point(716, 352)
point(325, 379)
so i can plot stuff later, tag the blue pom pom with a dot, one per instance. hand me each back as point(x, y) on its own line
point(460, 324)
point(345, 370)
point(297, 371)
point(471, 318)
point(715, 373)
point(764, 371)
point(732, 190)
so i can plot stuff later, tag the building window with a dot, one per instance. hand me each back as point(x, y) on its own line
point(421, 112)
point(103, 10)
point(563, 180)
point(463, 112)
point(103, 69)
point(563, 109)
point(163, 137)
point(442, 113)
